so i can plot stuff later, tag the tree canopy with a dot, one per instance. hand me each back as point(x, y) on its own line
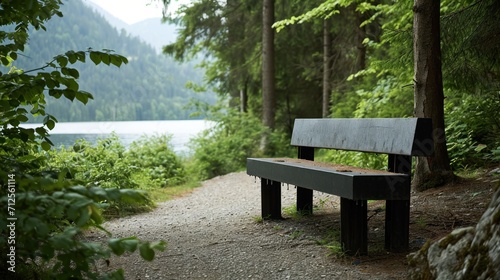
point(371, 61)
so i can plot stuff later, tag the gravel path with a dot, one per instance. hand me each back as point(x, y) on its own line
point(212, 233)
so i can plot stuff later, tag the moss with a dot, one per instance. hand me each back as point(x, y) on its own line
point(419, 264)
point(451, 239)
point(480, 262)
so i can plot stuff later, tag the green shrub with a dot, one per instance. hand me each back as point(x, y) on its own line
point(51, 216)
point(473, 130)
point(359, 159)
point(103, 164)
point(51, 212)
point(225, 147)
point(154, 157)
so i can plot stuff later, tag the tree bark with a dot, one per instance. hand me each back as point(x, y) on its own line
point(327, 69)
point(268, 79)
point(435, 170)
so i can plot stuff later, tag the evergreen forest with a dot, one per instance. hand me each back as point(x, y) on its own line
point(149, 87)
point(276, 61)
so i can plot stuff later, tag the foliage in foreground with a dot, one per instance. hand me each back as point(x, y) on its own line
point(149, 163)
point(44, 211)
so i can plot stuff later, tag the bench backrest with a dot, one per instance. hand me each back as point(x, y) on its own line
point(399, 136)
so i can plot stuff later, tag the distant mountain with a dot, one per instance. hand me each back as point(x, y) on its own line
point(154, 32)
point(151, 31)
point(114, 21)
point(149, 87)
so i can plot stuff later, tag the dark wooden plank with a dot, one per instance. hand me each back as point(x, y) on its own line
point(270, 199)
point(397, 213)
point(304, 195)
point(397, 225)
point(353, 226)
point(352, 185)
point(401, 136)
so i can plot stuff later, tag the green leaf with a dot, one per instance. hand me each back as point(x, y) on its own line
point(56, 93)
point(83, 96)
point(50, 124)
point(115, 245)
point(70, 72)
point(62, 60)
point(116, 61)
point(130, 244)
point(41, 131)
point(71, 56)
point(83, 217)
point(72, 85)
point(14, 122)
point(13, 55)
point(80, 55)
point(69, 94)
point(45, 146)
point(159, 245)
point(480, 147)
point(105, 58)
point(22, 118)
point(50, 83)
point(95, 57)
point(5, 61)
point(146, 252)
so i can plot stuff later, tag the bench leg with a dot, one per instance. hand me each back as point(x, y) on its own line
point(353, 226)
point(304, 200)
point(397, 224)
point(271, 199)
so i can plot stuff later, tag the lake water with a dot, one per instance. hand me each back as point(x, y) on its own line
point(128, 131)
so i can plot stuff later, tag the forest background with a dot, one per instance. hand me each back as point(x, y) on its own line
point(332, 59)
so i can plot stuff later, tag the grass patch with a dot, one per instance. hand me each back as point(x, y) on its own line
point(296, 234)
point(168, 193)
point(470, 173)
point(332, 242)
point(258, 219)
point(293, 213)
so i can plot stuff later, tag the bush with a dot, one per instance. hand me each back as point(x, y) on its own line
point(52, 212)
point(225, 147)
point(154, 157)
point(473, 130)
point(358, 159)
point(103, 164)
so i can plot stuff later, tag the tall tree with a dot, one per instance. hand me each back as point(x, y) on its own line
point(268, 78)
point(327, 70)
point(428, 92)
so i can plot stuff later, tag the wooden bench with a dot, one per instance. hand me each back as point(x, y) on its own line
point(400, 138)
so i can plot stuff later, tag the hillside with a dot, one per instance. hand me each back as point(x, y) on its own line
point(151, 31)
point(149, 87)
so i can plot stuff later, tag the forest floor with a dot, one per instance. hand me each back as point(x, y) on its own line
point(215, 232)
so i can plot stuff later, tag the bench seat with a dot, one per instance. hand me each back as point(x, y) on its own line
point(341, 180)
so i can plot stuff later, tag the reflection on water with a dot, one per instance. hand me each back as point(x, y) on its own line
point(128, 131)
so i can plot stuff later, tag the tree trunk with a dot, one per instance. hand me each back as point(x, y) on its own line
point(244, 98)
point(428, 93)
point(268, 83)
point(327, 70)
point(268, 79)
